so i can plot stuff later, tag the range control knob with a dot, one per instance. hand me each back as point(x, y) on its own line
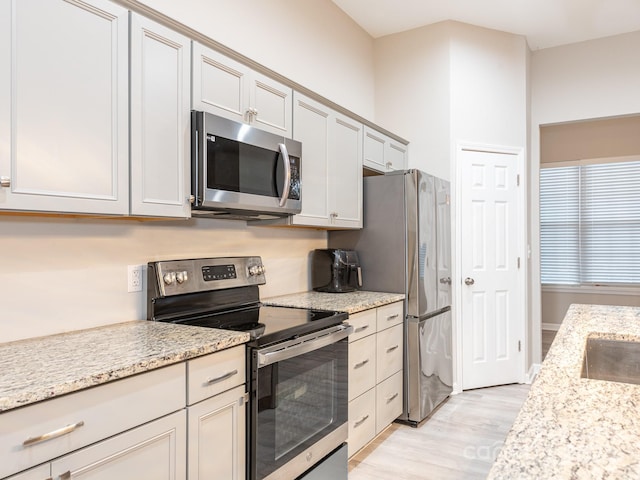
point(169, 278)
point(256, 270)
point(181, 277)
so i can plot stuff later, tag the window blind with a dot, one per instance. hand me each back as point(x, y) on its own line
point(590, 224)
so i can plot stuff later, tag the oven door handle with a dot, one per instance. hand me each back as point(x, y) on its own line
point(302, 345)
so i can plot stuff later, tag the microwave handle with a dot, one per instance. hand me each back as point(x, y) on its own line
point(287, 174)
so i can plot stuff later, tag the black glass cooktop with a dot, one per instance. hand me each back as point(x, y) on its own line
point(268, 324)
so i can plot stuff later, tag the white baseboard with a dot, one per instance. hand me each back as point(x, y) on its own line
point(551, 326)
point(531, 374)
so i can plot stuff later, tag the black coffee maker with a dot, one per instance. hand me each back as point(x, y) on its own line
point(335, 270)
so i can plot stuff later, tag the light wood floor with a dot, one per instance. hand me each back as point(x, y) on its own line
point(459, 441)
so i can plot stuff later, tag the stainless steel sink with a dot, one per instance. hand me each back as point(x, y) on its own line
point(612, 360)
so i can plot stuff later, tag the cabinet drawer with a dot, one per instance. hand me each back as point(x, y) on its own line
point(207, 376)
point(362, 366)
point(388, 401)
point(390, 315)
point(97, 412)
point(156, 450)
point(364, 324)
point(362, 421)
point(389, 352)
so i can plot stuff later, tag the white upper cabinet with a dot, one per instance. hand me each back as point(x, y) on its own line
point(228, 88)
point(160, 120)
point(382, 153)
point(345, 177)
point(64, 106)
point(331, 166)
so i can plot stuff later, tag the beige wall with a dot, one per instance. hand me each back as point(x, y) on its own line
point(556, 304)
point(589, 80)
point(312, 42)
point(61, 274)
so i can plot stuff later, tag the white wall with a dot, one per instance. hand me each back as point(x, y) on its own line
point(449, 82)
point(413, 93)
point(587, 80)
point(61, 274)
point(312, 42)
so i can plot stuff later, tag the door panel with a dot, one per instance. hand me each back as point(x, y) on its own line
point(492, 323)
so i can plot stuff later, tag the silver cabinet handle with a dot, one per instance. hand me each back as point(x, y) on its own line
point(361, 421)
point(211, 381)
point(391, 349)
point(65, 476)
point(361, 329)
point(469, 281)
point(5, 182)
point(287, 173)
point(361, 364)
point(392, 317)
point(392, 398)
point(51, 435)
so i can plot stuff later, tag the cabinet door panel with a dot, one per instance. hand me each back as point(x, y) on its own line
point(389, 352)
point(311, 127)
point(70, 107)
point(346, 171)
point(217, 437)
point(156, 450)
point(273, 103)
point(374, 150)
point(160, 120)
point(219, 84)
point(396, 155)
point(43, 472)
point(388, 401)
point(362, 421)
point(362, 366)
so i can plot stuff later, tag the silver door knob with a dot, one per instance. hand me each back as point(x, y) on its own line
point(469, 281)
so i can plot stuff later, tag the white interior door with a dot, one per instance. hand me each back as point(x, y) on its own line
point(492, 300)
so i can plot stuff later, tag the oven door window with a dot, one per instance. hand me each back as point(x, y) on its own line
point(299, 401)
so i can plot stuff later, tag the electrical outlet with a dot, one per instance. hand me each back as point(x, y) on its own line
point(134, 278)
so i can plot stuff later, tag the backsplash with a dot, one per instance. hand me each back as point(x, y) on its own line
point(62, 274)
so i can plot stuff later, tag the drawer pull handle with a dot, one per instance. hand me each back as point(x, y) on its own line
point(361, 421)
point(65, 476)
point(361, 364)
point(51, 435)
point(392, 397)
point(392, 317)
point(361, 329)
point(211, 381)
point(391, 349)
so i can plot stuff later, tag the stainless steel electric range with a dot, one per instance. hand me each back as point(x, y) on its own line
point(296, 362)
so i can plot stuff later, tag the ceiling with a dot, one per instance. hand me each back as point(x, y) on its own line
point(545, 23)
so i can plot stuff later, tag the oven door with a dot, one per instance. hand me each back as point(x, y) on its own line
point(298, 403)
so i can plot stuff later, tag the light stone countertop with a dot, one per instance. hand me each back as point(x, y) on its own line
point(351, 302)
point(45, 367)
point(571, 427)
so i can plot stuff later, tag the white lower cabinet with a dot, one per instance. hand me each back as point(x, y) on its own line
point(217, 416)
point(156, 450)
point(217, 437)
point(375, 372)
point(182, 421)
point(41, 472)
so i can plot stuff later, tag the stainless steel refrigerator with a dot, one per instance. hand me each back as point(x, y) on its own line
point(405, 247)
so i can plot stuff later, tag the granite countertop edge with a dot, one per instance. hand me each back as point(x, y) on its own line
point(574, 427)
point(43, 368)
point(349, 302)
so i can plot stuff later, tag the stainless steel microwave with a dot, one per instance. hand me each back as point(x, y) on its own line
point(241, 172)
